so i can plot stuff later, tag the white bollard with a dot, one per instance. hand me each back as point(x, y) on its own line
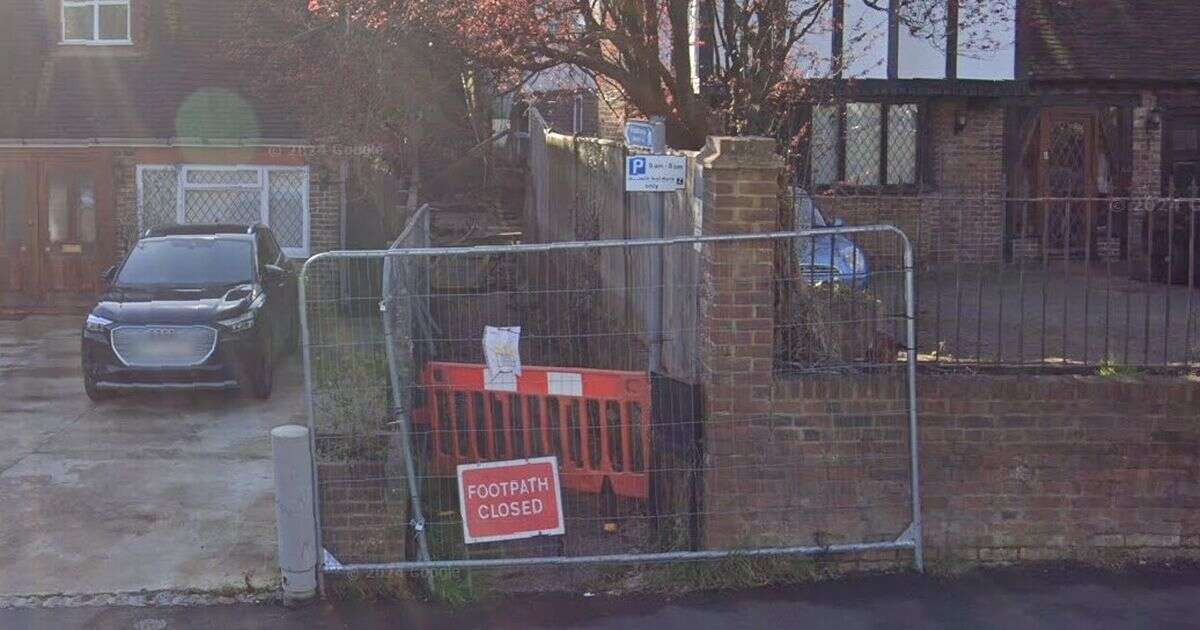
point(294, 519)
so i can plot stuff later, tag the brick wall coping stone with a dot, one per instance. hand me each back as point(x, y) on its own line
point(740, 152)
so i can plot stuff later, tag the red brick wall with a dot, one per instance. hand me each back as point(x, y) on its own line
point(325, 189)
point(1049, 467)
point(612, 111)
point(363, 512)
point(1013, 467)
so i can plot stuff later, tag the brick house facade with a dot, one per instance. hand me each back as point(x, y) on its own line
point(117, 116)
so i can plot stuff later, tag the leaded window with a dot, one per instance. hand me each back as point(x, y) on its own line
point(865, 144)
point(272, 195)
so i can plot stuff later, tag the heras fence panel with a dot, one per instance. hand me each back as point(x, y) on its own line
point(789, 430)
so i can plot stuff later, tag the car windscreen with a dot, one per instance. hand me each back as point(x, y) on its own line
point(187, 262)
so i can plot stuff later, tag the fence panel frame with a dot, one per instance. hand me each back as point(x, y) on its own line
point(910, 538)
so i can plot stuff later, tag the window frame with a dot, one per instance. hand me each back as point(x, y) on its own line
point(922, 176)
point(266, 237)
point(95, 39)
point(577, 114)
point(262, 186)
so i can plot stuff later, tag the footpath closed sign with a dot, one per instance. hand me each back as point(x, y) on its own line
point(654, 173)
point(507, 500)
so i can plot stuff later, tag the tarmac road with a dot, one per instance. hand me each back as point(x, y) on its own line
point(1060, 599)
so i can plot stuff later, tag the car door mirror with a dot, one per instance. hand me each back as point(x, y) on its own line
point(838, 222)
point(108, 275)
point(273, 273)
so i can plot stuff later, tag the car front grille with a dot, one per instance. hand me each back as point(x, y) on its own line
point(163, 346)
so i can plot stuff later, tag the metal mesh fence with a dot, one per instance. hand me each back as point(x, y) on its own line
point(728, 452)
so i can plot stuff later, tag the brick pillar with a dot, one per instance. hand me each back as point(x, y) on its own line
point(1146, 180)
point(1147, 149)
point(125, 210)
point(737, 321)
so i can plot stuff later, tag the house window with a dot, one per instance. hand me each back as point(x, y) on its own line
point(864, 144)
point(275, 196)
point(95, 22)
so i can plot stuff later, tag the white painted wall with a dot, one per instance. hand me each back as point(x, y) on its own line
point(984, 53)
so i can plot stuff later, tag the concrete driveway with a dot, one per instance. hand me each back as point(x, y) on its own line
point(147, 491)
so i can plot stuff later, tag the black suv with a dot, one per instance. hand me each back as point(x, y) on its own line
point(193, 307)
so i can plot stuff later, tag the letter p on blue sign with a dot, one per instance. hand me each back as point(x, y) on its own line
point(637, 166)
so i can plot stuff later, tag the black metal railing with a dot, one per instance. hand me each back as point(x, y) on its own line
point(1070, 283)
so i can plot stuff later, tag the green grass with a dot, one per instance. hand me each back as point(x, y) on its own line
point(443, 531)
point(351, 389)
point(1110, 368)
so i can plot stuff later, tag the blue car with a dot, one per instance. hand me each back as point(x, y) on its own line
point(826, 259)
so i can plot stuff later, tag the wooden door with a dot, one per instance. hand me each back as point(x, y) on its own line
point(73, 252)
point(20, 279)
point(1067, 179)
point(1181, 163)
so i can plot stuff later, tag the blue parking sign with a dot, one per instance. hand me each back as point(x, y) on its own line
point(655, 173)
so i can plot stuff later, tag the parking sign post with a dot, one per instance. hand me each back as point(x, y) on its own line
point(656, 174)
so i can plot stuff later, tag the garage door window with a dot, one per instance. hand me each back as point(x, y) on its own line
point(274, 196)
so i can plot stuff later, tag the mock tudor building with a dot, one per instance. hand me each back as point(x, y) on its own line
point(945, 131)
point(1052, 99)
point(119, 115)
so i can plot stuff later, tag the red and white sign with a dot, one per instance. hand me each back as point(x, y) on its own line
point(507, 500)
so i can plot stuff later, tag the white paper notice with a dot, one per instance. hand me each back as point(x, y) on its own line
point(500, 381)
point(502, 357)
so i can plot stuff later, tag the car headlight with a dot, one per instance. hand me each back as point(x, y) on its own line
point(95, 323)
point(245, 321)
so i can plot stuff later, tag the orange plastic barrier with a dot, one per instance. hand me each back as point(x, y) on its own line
point(596, 421)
